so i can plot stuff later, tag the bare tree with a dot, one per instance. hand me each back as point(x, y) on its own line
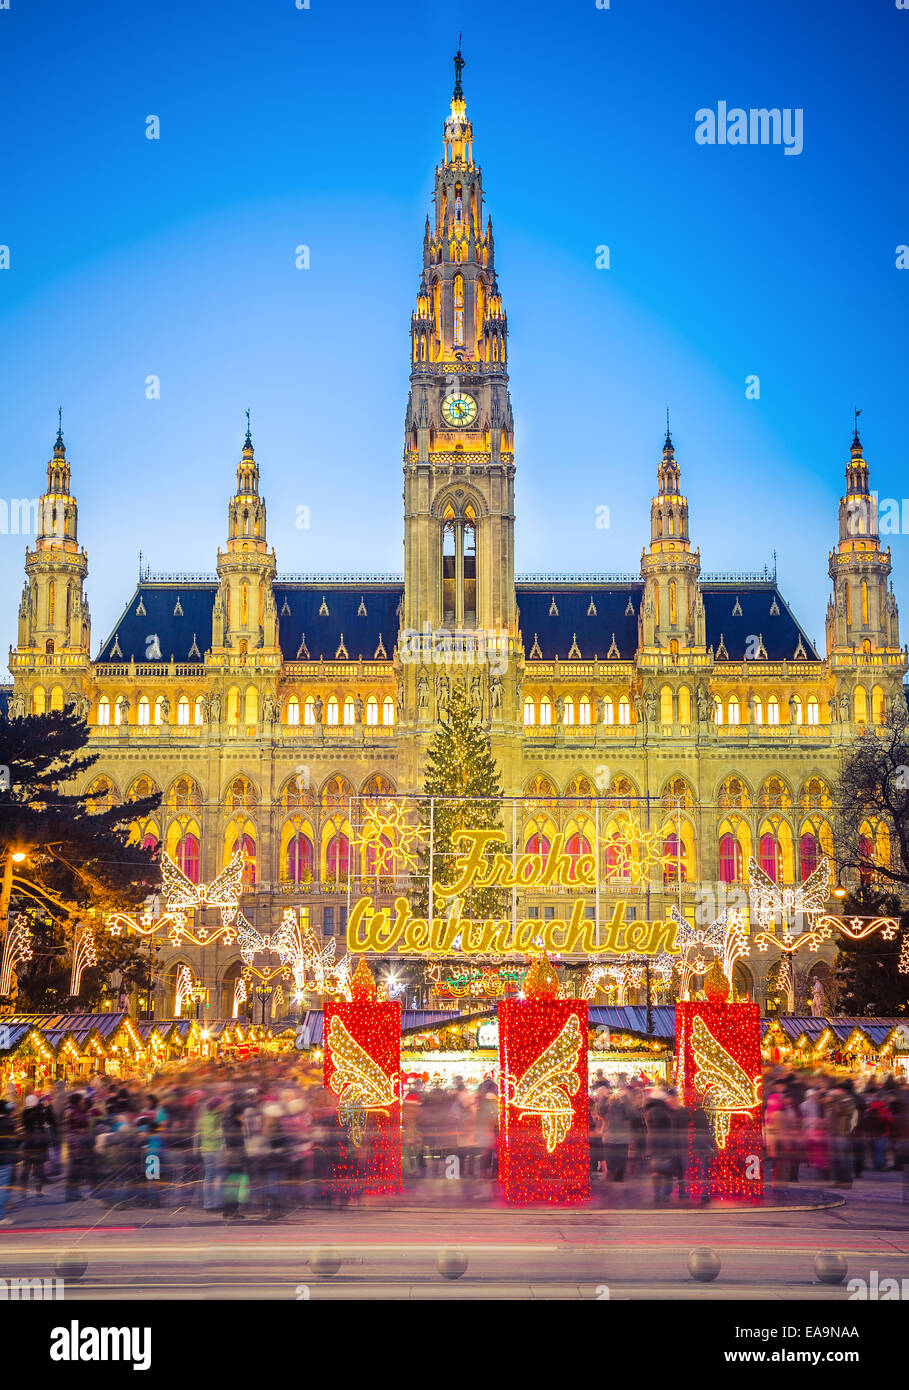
point(873, 786)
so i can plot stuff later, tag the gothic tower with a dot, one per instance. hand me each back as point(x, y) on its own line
point(672, 612)
point(459, 443)
point(245, 618)
point(54, 624)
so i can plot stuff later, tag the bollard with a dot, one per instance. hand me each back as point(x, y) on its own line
point(703, 1265)
point(70, 1265)
point(451, 1264)
point(325, 1263)
point(830, 1267)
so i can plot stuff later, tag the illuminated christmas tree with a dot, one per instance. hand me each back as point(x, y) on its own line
point(462, 778)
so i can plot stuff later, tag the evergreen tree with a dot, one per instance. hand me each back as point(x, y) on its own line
point(459, 764)
point(80, 861)
point(868, 980)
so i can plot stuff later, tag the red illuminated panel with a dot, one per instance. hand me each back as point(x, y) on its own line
point(544, 1146)
point(362, 1067)
point(718, 1064)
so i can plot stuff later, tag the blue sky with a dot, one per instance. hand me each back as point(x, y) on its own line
point(281, 127)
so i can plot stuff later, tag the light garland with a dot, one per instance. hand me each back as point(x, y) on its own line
point(85, 955)
point(362, 1067)
point(768, 900)
point(17, 949)
point(389, 835)
point(718, 1064)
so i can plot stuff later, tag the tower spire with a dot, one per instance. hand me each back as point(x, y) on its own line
point(459, 66)
point(247, 443)
point(59, 440)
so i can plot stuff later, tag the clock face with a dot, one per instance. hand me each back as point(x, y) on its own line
point(459, 409)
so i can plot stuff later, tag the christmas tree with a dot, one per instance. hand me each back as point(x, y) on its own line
point(462, 778)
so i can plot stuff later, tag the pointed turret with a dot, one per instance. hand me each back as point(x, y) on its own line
point(672, 613)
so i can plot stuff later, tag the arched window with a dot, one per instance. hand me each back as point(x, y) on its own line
point(666, 705)
point(188, 857)
point(769, 856)
point(877, 705)
point(733, 710)
point(458, 301)
point(576, 845)
point(388, 710)
point(807, 854)
point(757, 715)
point(104, 710)
point(624, 710)
point(568, 710)
point(350, 710)
point(861, 705)
point(608, 710)
point(795, 710)
point(233, 705)
point(584, 710)
point(717, 710)
point(866, 855)
point(299, 859)
point(142, 711)
point(293, 711)
point(813, 709)
point(120, 711)
point(337, 857)
point(773, 710)
point(674, 866)
point(529, 710)
point(251, 706)
point(248, 845)
point(183, 710)
point(865, 602)
point(199, 710)
point(684, 705)
point(331, 710)
point(244, 604)
point(537, 844)
point(309, 710)
point(730, 859)
point(241, 795)
point(56, 700)
point(545, 711)
point(672, 606)
point(380, 859)
point(372, 710)
point(159, 709)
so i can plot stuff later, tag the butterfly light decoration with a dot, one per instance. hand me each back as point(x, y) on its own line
point(181, 895)
point(360, 1084)
point(768, 900)
point(546, 1087)
point(727, 1088)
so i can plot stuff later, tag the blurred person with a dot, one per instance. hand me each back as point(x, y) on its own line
point(209, 1144)
point(878, 1122)
point(842, 1116)
point(660, 1144)
point(816, 1132)
point(703, 1149)
point(779, 1131)
point(37, 1129)
point(617, 1138)
point(236, 1180)
point(9, 1157)
point(80, 1165)
point(486, 1128)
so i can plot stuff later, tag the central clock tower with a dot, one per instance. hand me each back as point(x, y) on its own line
point(459, 431)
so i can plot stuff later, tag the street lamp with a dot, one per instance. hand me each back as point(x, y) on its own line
point(13, 856)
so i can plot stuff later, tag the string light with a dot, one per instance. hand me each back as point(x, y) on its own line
point(362, 1067)
point(718, 1064)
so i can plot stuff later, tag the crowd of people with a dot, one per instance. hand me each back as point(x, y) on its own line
point(264, 1136)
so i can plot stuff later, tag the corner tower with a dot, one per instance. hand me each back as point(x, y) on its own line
point(672, 611)
point(245, 617)
point(459, 432)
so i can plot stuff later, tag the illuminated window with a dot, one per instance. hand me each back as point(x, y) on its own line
point(575, 846)
point(183, 710)
point(298, 859)
point(233, 705)
point(199, 713)
point(624, 710)
point(244, 604)
point(877, 705)
point(733, 709)
point(104, 710)
point(51, 602)
point(684, 705)
point(293, 711)
point(388, 710)
point(568, 710)
point(545, 710)
point(718, 711)
point(769, 856)
point(188, 857)
point(773, 710)
point(865, 602)
point(309, 710)
point(331, 710)
point(120, 711)
point(730, 859)
point(350, 710)
point(672, 604)
point(795, 710)
point(808, 854)
point(584, 710)
point(372, 710)
point(251, 705)
point(459, 310)
point(758, 714)
point(142, 713)
point(674, 866)
point(529, 711)
point(666, 705)
point(159, 710)
point(337, 856)
point(813, 709)
point(608, 710)
point(861, 706)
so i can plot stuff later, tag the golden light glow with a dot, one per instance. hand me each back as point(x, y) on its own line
point(727, 1089)
point(548, 1083)
point(360, 1084)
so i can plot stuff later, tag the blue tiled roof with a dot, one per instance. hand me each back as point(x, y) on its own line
point(780, 631)
point(575, 622)
point(632, 1018)
point(175, 632)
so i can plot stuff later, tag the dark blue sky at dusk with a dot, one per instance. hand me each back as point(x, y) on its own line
point(322, 127)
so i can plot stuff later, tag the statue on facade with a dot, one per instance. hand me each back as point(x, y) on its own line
point(638, 706)
point(650, 707)
point(442, 696)
point(358, 706)
point(318, 706)
point(269, 709)
point(422, 690)
point(496, 695)
point(701, 699)
point(17, 706)
point(215, 708)
point(165, 710)
point(476, 694)
point(818, 1003)
point(844, 707)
